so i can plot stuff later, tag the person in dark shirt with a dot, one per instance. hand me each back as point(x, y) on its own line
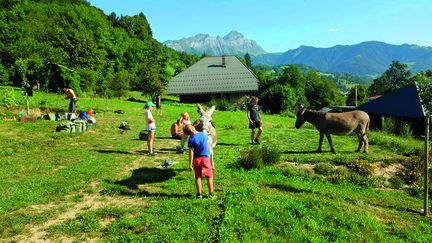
point(255, 120)
point(158, 102)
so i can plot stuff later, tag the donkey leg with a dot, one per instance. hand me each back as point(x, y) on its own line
point(330, 142)
point(320, 142)
point(360, 138)
point(366, 143)
point(211, 158)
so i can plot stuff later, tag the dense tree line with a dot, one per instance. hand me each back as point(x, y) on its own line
point(55, 43)
point(283, 88)
point(284, 92)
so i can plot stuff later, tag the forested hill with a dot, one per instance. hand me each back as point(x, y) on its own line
point(54, 43)
point(366, 58)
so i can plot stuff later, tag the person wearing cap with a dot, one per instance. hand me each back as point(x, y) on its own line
point(151, 126)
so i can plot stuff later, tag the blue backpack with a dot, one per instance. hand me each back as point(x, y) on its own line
point(83, 116)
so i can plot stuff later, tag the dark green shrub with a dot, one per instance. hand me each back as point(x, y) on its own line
point(396, 182)
point(224, 105)
point(270, 154)
point(415, 191)
point(257, 157)
point(251, 159)
point(411, 171)
point(8, 98)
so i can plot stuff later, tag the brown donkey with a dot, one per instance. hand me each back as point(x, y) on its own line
point(337, 124)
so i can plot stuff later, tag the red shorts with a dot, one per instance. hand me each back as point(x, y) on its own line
point(202, 165)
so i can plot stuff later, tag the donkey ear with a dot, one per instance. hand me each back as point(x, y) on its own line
point(200, 109)
point(301, 107)
point(212, 109)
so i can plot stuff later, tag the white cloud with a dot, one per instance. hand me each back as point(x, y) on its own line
point(334, 30)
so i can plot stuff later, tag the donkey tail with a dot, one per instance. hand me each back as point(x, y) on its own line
point(367, 127)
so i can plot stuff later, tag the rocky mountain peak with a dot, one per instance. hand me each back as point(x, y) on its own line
point(234, 43)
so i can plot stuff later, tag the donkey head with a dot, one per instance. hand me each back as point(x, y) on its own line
point(300, 118)
point(205, 120)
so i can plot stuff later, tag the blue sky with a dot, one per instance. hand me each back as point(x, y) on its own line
point(281, 25)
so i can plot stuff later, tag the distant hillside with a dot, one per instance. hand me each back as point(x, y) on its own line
point(234, 43)
point(366, 58)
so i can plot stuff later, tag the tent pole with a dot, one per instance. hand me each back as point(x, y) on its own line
point(426, 168)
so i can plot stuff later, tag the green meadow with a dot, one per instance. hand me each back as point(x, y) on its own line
point(102, 186)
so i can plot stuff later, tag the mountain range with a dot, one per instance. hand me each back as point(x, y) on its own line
point(234, 43)
point(367, 58)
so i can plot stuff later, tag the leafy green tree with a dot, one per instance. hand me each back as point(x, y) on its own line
point(37, 37)
point(392, 79)
point(119, 84)
point(424, 81)
point(248, 61)
point(278, 98)
point(292, 76)
point(362, 95)
point(321, 92)
point(4, 76)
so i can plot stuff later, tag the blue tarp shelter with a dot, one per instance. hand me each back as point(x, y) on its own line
point(403, 103)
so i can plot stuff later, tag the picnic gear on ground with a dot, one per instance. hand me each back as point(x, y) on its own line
point(83, 116)
point(91, 121)
point(80, 125)
point(50, 117)
point(143, 135)
point(119, 111)
point(167, 163)
point(124, 126)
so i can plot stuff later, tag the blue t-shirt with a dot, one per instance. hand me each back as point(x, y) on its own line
point(198, 142)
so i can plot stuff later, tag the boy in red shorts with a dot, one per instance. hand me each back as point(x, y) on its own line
point(199, 159)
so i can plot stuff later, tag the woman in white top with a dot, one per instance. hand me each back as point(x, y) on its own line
point(151, 126)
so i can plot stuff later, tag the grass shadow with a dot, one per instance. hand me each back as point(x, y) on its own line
point(146, 175)
point(143, 177)
point(301, 152)
point(227, 144)
point(286, 188)
point(113, 151)
point(165, 137)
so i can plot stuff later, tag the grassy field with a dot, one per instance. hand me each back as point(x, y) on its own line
point(102, 186)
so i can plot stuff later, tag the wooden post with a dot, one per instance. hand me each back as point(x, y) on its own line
point(27, 105)
point(356, 95)
point(426, 167)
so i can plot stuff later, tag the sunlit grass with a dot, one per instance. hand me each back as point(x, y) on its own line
point(117, 193)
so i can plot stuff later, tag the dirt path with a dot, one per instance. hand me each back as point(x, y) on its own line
point(89, 201)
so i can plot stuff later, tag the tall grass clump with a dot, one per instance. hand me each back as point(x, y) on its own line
point(258, 157)
point(405, 146)
point(324, 169)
